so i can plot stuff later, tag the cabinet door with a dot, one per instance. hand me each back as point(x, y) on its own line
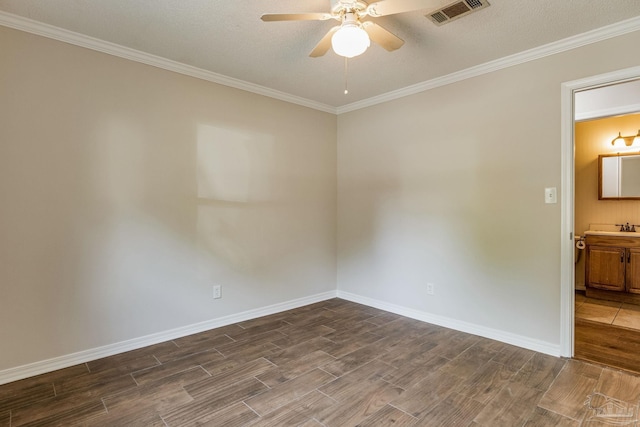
point(605, 269)
point(633, 270)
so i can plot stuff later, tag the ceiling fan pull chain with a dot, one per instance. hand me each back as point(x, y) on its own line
point(346, 75)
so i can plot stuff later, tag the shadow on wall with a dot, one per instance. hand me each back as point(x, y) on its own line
point(236, 189)
point(156, 243)
point(434, 211)
point(256, 202)
point(138, 233)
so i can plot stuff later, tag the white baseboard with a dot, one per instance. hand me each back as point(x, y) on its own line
point(494, 334)
point(37, 368)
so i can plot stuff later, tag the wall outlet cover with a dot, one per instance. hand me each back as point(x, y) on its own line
point(430, 289)
point(217, 291)
point(550, 195)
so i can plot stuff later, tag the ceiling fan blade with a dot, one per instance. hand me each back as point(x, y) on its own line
point(391, 7)
point(324, 44)
point(383, 37)
point(269, 17)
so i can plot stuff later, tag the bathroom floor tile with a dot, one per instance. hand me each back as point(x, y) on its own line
point(628, 316)
point(598, 310)
point(579, 300)
point(602, 302)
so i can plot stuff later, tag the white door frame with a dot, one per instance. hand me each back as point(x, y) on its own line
point(567, 268)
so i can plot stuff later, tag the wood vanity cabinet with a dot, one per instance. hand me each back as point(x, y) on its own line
point(613, 267)
point(633, 270)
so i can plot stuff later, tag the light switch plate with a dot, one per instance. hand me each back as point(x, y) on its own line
point(550, 195)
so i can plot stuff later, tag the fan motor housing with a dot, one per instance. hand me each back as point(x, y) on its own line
point(341, 6)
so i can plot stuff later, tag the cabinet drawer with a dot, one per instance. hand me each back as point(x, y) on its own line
point(606, 268)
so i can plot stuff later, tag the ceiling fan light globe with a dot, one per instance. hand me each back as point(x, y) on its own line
point(350, 41)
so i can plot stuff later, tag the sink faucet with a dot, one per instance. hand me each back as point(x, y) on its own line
point(626, 227)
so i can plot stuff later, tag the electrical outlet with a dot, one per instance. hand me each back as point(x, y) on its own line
point(431, 289)
point(217, 291)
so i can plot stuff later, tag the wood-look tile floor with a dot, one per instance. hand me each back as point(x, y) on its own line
point(334, 363)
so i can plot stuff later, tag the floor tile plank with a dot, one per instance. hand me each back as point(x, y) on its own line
point(288, 391)
point(453, 344)
point(239, 347)
point(57, 412)
point(466, 363)
point(160, 395)
point(131, 360)
point(294, 352)
point(204, 408)
point(95, 384)
point(567, 394)
point(513, 357)
point(355, 381)
point(219, 381)
point(513, 406)
point(389, 415)
point(424, 396)
point(455, 410)
point(192, 344)
point(486, 382)
point(619, 385)
point(5, 419)
point(540, 371)
point(236, 415)
point(298, 412)
point(409, 374)
point(543, 418)
point(353, 360)
point(296, 367)
point(367, 403)
point(175, 366)
point(301, 333)
point(138, 418)
point(16, 397)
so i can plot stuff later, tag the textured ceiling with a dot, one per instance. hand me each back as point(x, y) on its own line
point(227, 37)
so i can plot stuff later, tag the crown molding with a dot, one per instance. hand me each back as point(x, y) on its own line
point(56, 33)
point(41, 29)
point(593, 36)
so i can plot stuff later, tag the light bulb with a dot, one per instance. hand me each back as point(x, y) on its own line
point(350, 40)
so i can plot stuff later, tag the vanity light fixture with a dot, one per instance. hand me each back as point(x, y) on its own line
point(628, 141)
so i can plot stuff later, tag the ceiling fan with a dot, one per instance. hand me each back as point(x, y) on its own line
point(352, 37)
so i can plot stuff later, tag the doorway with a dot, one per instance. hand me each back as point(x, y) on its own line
point(568, 254)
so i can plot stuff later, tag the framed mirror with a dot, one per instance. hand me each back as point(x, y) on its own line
point(619, 176)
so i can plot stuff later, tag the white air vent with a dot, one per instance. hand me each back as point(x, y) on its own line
point(456, 10)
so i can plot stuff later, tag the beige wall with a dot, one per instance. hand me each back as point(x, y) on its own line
point(447, 187)
point(593, 138)
point(127, 191)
